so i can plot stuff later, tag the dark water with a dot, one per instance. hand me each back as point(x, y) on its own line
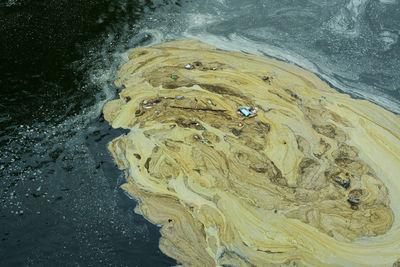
point(61, 204)
point(59, 189)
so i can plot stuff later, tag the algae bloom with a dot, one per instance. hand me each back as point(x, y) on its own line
point(247, 161)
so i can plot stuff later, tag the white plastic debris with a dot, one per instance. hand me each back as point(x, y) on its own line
point(247, 111)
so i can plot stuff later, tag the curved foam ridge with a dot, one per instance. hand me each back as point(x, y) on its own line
point(312, 179)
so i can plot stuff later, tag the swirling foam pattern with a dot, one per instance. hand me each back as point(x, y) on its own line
point(268, 191)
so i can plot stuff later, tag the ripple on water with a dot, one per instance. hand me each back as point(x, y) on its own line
point(388, 1)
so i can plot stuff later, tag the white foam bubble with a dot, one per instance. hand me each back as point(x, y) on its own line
point(388, 39)
point(389, 2)
point(199, 20)
point(348, 19)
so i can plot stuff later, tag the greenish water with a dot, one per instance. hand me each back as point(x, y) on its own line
point(61, 204)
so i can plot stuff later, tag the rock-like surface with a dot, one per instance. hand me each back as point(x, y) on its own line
point(313, 179)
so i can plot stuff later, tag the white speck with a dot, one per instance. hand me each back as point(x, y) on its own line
point(38, 189)
point(388, 39)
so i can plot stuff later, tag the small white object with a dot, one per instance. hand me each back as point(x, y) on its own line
point(157, 112)
point(148, 107)
point(245, 111)
point(188, 66)
point(180, 97)
point(144, 102)
point(209, 102)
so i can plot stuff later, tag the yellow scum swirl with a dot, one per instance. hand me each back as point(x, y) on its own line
point(267, 190)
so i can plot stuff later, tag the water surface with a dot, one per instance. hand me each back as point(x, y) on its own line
point(60, 198)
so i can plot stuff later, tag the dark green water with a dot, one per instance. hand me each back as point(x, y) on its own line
point(61, 204)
